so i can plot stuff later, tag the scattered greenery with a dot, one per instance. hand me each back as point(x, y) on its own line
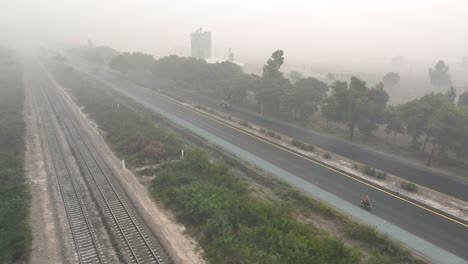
point(15, 232)
point(327, 155)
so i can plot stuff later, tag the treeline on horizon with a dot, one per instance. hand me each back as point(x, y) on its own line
point(436, 123)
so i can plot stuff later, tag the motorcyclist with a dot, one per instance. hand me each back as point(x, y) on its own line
point(366, 201)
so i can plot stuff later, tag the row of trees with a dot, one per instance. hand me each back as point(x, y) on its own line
point(434, 118)
point(355, 104)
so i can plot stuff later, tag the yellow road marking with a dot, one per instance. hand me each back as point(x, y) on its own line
point(309, 159)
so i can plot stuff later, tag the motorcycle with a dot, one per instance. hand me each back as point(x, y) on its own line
point(366, 204)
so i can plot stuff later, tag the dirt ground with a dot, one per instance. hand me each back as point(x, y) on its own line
point(181, 247)
point(45, 245)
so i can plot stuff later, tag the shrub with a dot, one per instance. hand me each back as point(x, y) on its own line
point(296, 143)
point(409, 186)
point(270, 133)
point(262, 130)
point(381, 175)
point(367, 170)
point(327, 155)
point(229, 117)
point(278, 137)
point(355, 166)
point(307, 147)
point(372, 172)
point(244, 123)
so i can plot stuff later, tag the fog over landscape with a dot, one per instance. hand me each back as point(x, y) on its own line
point(219, 131)
point(321, 31)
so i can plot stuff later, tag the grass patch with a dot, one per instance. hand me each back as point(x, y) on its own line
point(15, 233)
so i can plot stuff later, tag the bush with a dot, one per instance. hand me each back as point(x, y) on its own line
point(229, 117)
point(262, 130)
point(277, 136)
point(296, 143)
point(244, 123)
point(409, 186)
point(355, 166)
point(327, 155)
point(270, 133)
point(367, 170)
point(372, 172)
point(381, 175)
point(307, 147)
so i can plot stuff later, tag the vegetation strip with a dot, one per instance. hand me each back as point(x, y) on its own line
point(232, 222)
point(15, 232)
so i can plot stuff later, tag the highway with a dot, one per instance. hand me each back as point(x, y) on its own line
point(419, 174)
point(438, 230)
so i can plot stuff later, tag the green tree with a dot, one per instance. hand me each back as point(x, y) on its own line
point(268, 93)
point(272, 85)
point(356, 106)
point(391, 78)
point(417, 114)
point(463, 99)
point(393, 121)
point(447, 128)
point(295, 76)
point(273, 65)
point(439, 75)
point(304, 97)
point(121, 63)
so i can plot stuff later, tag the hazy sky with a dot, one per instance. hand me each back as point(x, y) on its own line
point(306, 30)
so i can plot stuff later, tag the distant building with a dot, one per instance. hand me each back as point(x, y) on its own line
point(201, 44)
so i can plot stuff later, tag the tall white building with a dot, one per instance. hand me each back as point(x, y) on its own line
point(201, 44)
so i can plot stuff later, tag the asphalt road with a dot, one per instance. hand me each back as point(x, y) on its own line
point(412, 172)
point(435, 229)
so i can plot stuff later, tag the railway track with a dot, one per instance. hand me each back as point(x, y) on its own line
point(82, 233)
point(134, 240)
